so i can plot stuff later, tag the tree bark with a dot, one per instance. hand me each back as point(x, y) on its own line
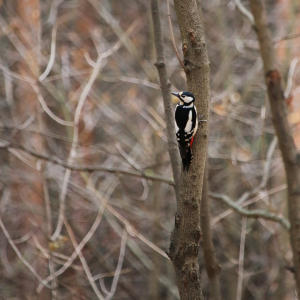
point(211, 265)
point(166, 93)
point(285, 138)
point(184, 246)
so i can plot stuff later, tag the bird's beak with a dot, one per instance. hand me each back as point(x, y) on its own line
point(176, 94)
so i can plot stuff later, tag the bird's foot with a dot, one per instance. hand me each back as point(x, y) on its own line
point(200, 119)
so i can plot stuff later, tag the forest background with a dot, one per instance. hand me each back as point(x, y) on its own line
point(84, 155)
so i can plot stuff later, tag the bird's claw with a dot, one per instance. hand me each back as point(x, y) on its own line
point(200, 119)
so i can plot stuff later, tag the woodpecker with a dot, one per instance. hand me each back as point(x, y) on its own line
point(186, 125)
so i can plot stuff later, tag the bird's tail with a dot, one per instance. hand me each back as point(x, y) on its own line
point(186, 161)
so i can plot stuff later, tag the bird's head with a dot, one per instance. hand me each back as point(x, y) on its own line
point(185, 98)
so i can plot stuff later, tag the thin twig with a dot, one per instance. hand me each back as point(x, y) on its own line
point(79, 107)
point(262, 185)
point(130, 229)
point(68, 75)
point(10, 145)
point(110, 274)
point(20, 157)
point(244, 11)
point(52, 54)
point(243, 120)
point(119, 266)
point(73, 148)
point(241, 260)
point(83, 261)
point(23, 260)
point(47, 110)
point(17, 76)
point(8, 89)
point(267, 164)
point(49, 233)
point(136, 167)
point(166, 93)
point(142, 257)
point(247, 203)
point(257, 213)
point(87, 236)
point(290, 77)
point(117, 29)
point(287, 37)
point(53, 11)
point(172, 36)
point(15, 40)
point(23, 126)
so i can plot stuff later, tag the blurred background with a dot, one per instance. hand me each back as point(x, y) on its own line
point(78, 87)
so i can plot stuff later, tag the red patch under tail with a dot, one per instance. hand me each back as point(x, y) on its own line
point(191, 142)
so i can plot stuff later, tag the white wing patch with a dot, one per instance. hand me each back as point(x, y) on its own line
point(189, 123)
point(176, 127)
point(196, 127)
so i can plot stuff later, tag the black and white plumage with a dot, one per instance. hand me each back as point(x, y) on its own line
point(186, 125)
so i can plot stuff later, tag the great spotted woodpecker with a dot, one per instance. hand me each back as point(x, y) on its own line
point(186, 125)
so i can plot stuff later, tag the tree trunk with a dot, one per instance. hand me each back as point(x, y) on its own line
point(285, 138)
point(166, 92)
point(184, 246)
point(211, 265)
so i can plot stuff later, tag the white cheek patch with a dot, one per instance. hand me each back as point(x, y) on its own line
point(189, 123)
point(188, 99)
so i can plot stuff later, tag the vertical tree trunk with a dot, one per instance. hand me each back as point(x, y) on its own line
point(211, 265)
point(166, 92)
point(285, 138)
point(184, 246)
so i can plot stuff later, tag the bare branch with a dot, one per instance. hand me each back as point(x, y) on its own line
point(244, 120)
point(248, 202)
point(119, 266)
point(53, 11)
point(47, 110)
point(287, 37)
point(79, 107)
point(252, 213)
point(52, 54)
point(22, 127)
point(13, 38)
point(166, 93)
point(89, 169)
point(284, 133)
point(244, 11)
point(290, 77)
point(172, 36)
point(73, 148)
point(241, 260)
point(20, 157)
point(87, 237)
point(102, 275)
point(83, 261)
point(130, 229)
point(23, 260)
point(17, 76)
